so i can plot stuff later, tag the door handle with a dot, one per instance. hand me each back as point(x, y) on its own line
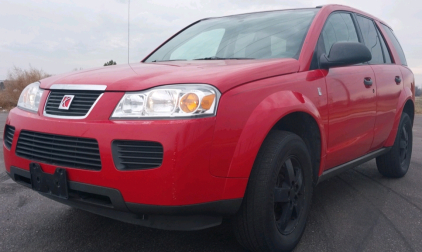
point(367, 81)
point(398, 80)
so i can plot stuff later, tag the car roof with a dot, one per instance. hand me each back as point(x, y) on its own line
point(328, 7)
point(339, 7)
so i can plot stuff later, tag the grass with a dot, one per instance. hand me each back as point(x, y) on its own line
point(17, 80)
point(418, 105)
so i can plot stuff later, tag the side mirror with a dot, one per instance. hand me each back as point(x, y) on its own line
point(344, 54)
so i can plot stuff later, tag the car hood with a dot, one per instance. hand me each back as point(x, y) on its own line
point(223, 74)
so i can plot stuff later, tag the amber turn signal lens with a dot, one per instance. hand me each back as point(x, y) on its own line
point(189, 103)
point(207, 101)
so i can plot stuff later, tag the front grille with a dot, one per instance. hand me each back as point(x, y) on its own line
point(59, 150)
point(134, 155)
point(81, 104)
point(9, 132)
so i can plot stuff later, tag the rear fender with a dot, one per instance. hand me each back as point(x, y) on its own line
point(405, 95)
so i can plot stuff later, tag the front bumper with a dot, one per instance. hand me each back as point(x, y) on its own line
point(109, 202)
point(182, 180)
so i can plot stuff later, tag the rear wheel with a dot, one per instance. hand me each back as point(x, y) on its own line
point(278, 197)
point(396, 162)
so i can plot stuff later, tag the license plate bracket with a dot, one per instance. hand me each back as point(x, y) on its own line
point(53, 184)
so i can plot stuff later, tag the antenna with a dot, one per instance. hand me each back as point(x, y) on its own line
point(128, 30)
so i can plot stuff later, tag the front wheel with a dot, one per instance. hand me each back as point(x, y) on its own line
point(278, 196)
point(396, 162)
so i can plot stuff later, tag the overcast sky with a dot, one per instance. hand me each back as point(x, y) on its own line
point(61, 35)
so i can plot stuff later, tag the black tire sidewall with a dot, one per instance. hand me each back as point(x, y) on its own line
point(292, 146)
point(404, 122)
point(389, 164)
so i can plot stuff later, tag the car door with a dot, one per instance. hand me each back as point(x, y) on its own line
point(388, 80)
point(351, 96)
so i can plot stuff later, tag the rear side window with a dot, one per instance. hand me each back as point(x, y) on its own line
point(396, 44)
point(370, 37)
point(339, 27)
point(386, 52)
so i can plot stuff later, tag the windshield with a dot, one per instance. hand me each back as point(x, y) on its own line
point(264, 35)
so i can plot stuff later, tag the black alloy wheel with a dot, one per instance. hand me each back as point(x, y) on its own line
point(404, 145)
point(289, 198)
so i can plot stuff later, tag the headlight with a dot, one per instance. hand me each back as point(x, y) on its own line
point(186, 100)
point(30, 97)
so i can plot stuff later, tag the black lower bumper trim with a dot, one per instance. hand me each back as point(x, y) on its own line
point(222, 207)
point(109, 202)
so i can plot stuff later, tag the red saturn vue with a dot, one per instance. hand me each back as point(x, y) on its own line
point(235, 117)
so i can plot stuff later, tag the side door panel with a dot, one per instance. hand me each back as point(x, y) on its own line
point(352, 109)
point(388, 80)
point(351, 103)
point(400, 91)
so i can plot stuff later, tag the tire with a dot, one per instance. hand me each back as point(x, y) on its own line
point(278, 196)
point(395, 163)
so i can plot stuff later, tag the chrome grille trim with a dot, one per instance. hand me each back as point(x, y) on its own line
point(70, 117)
point(79, 87)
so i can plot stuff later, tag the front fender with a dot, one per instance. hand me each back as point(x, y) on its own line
point(246, 115)
point(261, 121)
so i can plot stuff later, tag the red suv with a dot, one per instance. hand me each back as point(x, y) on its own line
point(238, 116)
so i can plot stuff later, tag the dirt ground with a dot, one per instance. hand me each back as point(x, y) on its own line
point(419, 105)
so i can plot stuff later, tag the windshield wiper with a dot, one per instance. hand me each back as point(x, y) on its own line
point(169, 60)
point(219, 58)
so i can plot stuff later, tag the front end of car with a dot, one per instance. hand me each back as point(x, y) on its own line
point(162, 143)
point(140, 157)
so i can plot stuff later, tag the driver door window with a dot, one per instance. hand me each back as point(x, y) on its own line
point(339, 27)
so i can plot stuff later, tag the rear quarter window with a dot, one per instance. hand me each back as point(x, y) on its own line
point(396, 44)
